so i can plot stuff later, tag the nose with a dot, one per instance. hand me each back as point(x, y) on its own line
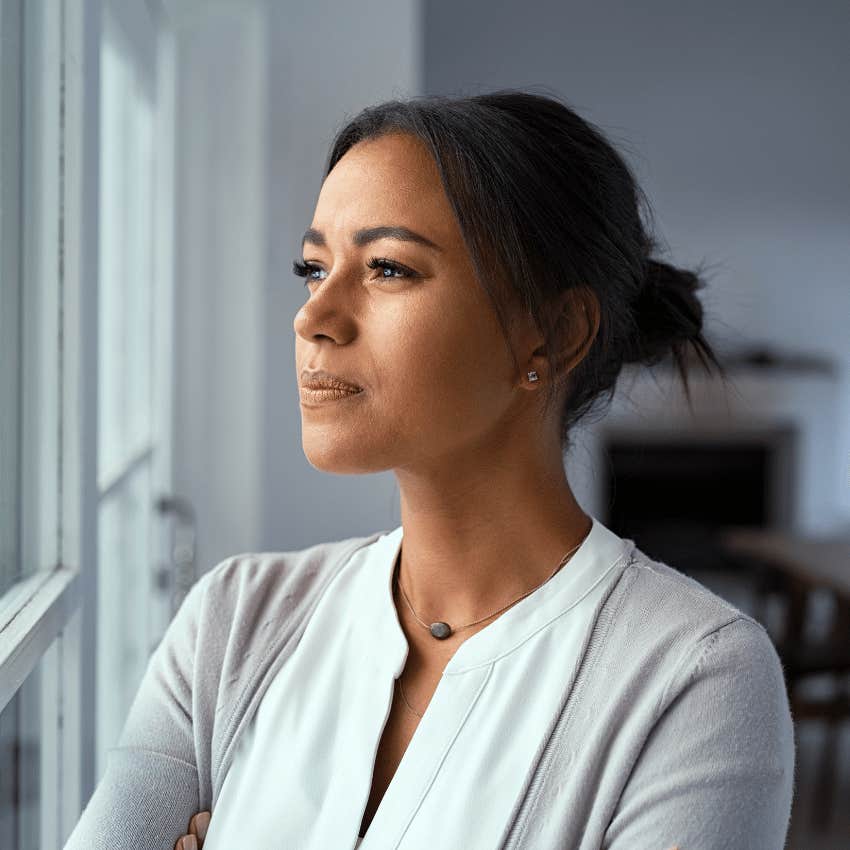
point(323, 320)
point(328, 311)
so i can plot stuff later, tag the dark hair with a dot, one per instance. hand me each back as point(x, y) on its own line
point(545, 204)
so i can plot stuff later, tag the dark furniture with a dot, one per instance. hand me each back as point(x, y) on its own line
point(793, 568)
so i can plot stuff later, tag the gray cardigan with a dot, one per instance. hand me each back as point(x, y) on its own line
point(675, 727)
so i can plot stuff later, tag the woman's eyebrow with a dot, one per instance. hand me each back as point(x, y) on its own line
point(371, 234)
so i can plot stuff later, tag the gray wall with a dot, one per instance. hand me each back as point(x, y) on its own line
point(327, 60)
point(219, 276)
point(261, 87)
point(735, 118)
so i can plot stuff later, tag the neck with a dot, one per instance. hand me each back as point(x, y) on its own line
point(473, 546)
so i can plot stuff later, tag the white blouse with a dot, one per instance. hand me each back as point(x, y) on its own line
point(302, 770)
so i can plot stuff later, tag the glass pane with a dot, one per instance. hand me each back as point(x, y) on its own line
point(30, 286)
point(10, 289)
point(126, 267)
point(124, 633)
point(126, 359)
point(25, 755)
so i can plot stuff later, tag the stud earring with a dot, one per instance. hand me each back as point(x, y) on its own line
point(532, 375)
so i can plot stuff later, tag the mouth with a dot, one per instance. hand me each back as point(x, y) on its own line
point(331, 385)
point(317, 393)
point(319, 379)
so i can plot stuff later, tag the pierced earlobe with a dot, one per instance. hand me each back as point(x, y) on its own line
point(532, 375)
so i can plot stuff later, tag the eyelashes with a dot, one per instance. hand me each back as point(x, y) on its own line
point(398, 271)
point(303, 270)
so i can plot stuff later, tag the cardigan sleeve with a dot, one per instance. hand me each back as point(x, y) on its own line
point(717, 769)
point(149, 788)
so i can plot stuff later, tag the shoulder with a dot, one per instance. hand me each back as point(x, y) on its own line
point(248, 584)
point(673, 630)
point(659, 592)
point(240, 616)
point(693, 692)
point(666, 646)
point(251, 601)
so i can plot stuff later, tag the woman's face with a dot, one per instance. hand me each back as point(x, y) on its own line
point(439, 382)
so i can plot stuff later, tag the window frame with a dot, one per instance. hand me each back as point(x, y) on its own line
point(56, 604)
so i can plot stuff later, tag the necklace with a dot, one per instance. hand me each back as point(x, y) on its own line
point(441, 630)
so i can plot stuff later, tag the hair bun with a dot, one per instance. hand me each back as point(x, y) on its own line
point(667, 312)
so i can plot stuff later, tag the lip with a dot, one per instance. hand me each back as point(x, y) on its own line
point(320, 395)
point(319, 379)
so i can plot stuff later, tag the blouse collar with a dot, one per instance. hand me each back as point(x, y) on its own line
point(598, 554)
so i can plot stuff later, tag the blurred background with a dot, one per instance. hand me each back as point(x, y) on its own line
point(159, 163)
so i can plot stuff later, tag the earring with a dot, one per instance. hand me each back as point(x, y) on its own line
point(532, 375)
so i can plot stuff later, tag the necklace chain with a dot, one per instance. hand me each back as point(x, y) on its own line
point(401, 688)
point(469, 625)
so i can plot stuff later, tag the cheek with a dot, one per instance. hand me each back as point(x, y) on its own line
point(447, 379)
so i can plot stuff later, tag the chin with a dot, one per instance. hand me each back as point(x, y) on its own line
point(340, 459)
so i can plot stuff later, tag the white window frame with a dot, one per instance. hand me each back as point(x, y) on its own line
point(49, 606)
point(57, 603)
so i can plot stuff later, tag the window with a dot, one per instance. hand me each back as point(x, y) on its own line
point(86, 94)
point(134, 604)
point(28, 756)
point(39, 587)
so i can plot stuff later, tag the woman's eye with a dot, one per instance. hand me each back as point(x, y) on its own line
point(305, 270)
point(396, 270)
point(390, 270)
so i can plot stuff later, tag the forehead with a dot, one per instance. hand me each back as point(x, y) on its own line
point(391, 180)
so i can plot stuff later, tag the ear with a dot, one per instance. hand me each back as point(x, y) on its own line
point(577, 318)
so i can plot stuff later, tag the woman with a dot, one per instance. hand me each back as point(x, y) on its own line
point(501, 670)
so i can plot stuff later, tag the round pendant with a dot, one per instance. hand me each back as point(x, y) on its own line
point(441, 630)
